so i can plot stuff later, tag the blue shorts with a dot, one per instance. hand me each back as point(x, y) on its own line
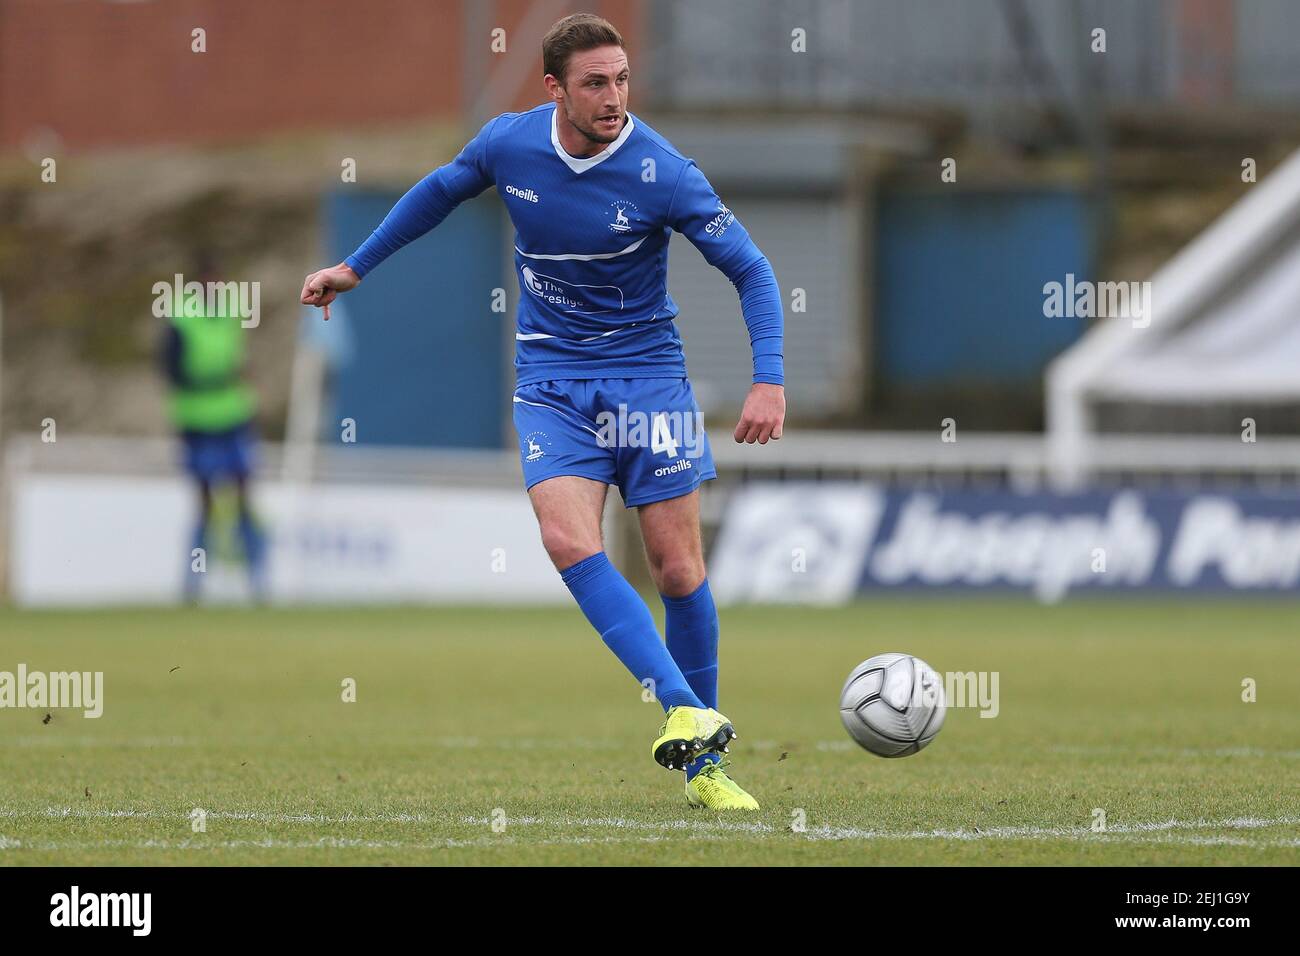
point(645, 435)
point(212, 456)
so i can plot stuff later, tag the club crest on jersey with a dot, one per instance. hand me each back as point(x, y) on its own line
point(621, 214)
point(532, 450)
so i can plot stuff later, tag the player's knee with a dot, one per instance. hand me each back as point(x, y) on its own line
point(566, 548)
point(679, 576)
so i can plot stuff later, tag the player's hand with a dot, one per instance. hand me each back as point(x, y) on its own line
point(763, 416)
point(321, 288)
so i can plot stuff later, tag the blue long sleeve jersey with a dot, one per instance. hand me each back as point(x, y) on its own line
point(591, 247)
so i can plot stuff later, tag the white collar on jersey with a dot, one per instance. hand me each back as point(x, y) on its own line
point(582, 165)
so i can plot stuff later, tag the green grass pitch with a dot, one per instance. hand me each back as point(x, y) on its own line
point(465, 717)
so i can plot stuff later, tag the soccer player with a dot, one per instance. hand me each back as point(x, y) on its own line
point(594, 194)
point(213, 408)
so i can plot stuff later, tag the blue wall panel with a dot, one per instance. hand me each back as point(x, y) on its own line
point(959, 284)
point(427, 363)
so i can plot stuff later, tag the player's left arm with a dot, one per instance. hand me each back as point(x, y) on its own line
point(698, 214)
point(170, 356)
point(424, 206)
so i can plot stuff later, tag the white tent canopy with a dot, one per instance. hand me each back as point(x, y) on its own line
point(1248, 347)
point(1224, 327)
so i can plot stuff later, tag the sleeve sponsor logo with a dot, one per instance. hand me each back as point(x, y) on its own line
point(719, 223)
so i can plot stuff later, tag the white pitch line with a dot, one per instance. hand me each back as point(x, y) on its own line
point(254, 816)
point(620, 823)
point(1161, 831)
point(337, 843)
point(321, 843)
point(592, 744)
point(827, 832)
point(1122, 830)
point(261, 816)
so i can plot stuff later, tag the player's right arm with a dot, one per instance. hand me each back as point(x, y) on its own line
point(424, 206)
point(697, 213)
point(323, 287)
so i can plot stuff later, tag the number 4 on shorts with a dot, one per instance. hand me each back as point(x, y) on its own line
point(661, 436)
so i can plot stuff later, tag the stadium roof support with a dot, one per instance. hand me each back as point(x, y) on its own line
point(1224, 325)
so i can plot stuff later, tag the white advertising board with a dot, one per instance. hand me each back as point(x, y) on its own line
point(92, 540)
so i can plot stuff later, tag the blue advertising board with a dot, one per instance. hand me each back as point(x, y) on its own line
point(830, 542)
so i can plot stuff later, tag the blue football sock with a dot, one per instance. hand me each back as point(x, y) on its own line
point(691, 627)
point(617, 612)
point(254, 554)
point(194, 579)
point(700, 762)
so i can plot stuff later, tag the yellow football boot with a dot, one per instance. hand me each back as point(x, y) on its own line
point(688, 732)
point(712, 789)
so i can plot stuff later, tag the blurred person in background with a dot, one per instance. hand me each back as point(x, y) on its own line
point(213, 408)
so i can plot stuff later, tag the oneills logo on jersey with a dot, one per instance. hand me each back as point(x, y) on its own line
point(525, 194)
point(621, 211)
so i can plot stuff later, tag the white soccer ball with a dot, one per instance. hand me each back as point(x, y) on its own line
point(893, 704)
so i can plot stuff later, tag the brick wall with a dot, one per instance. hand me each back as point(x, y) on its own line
point(116, 72)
